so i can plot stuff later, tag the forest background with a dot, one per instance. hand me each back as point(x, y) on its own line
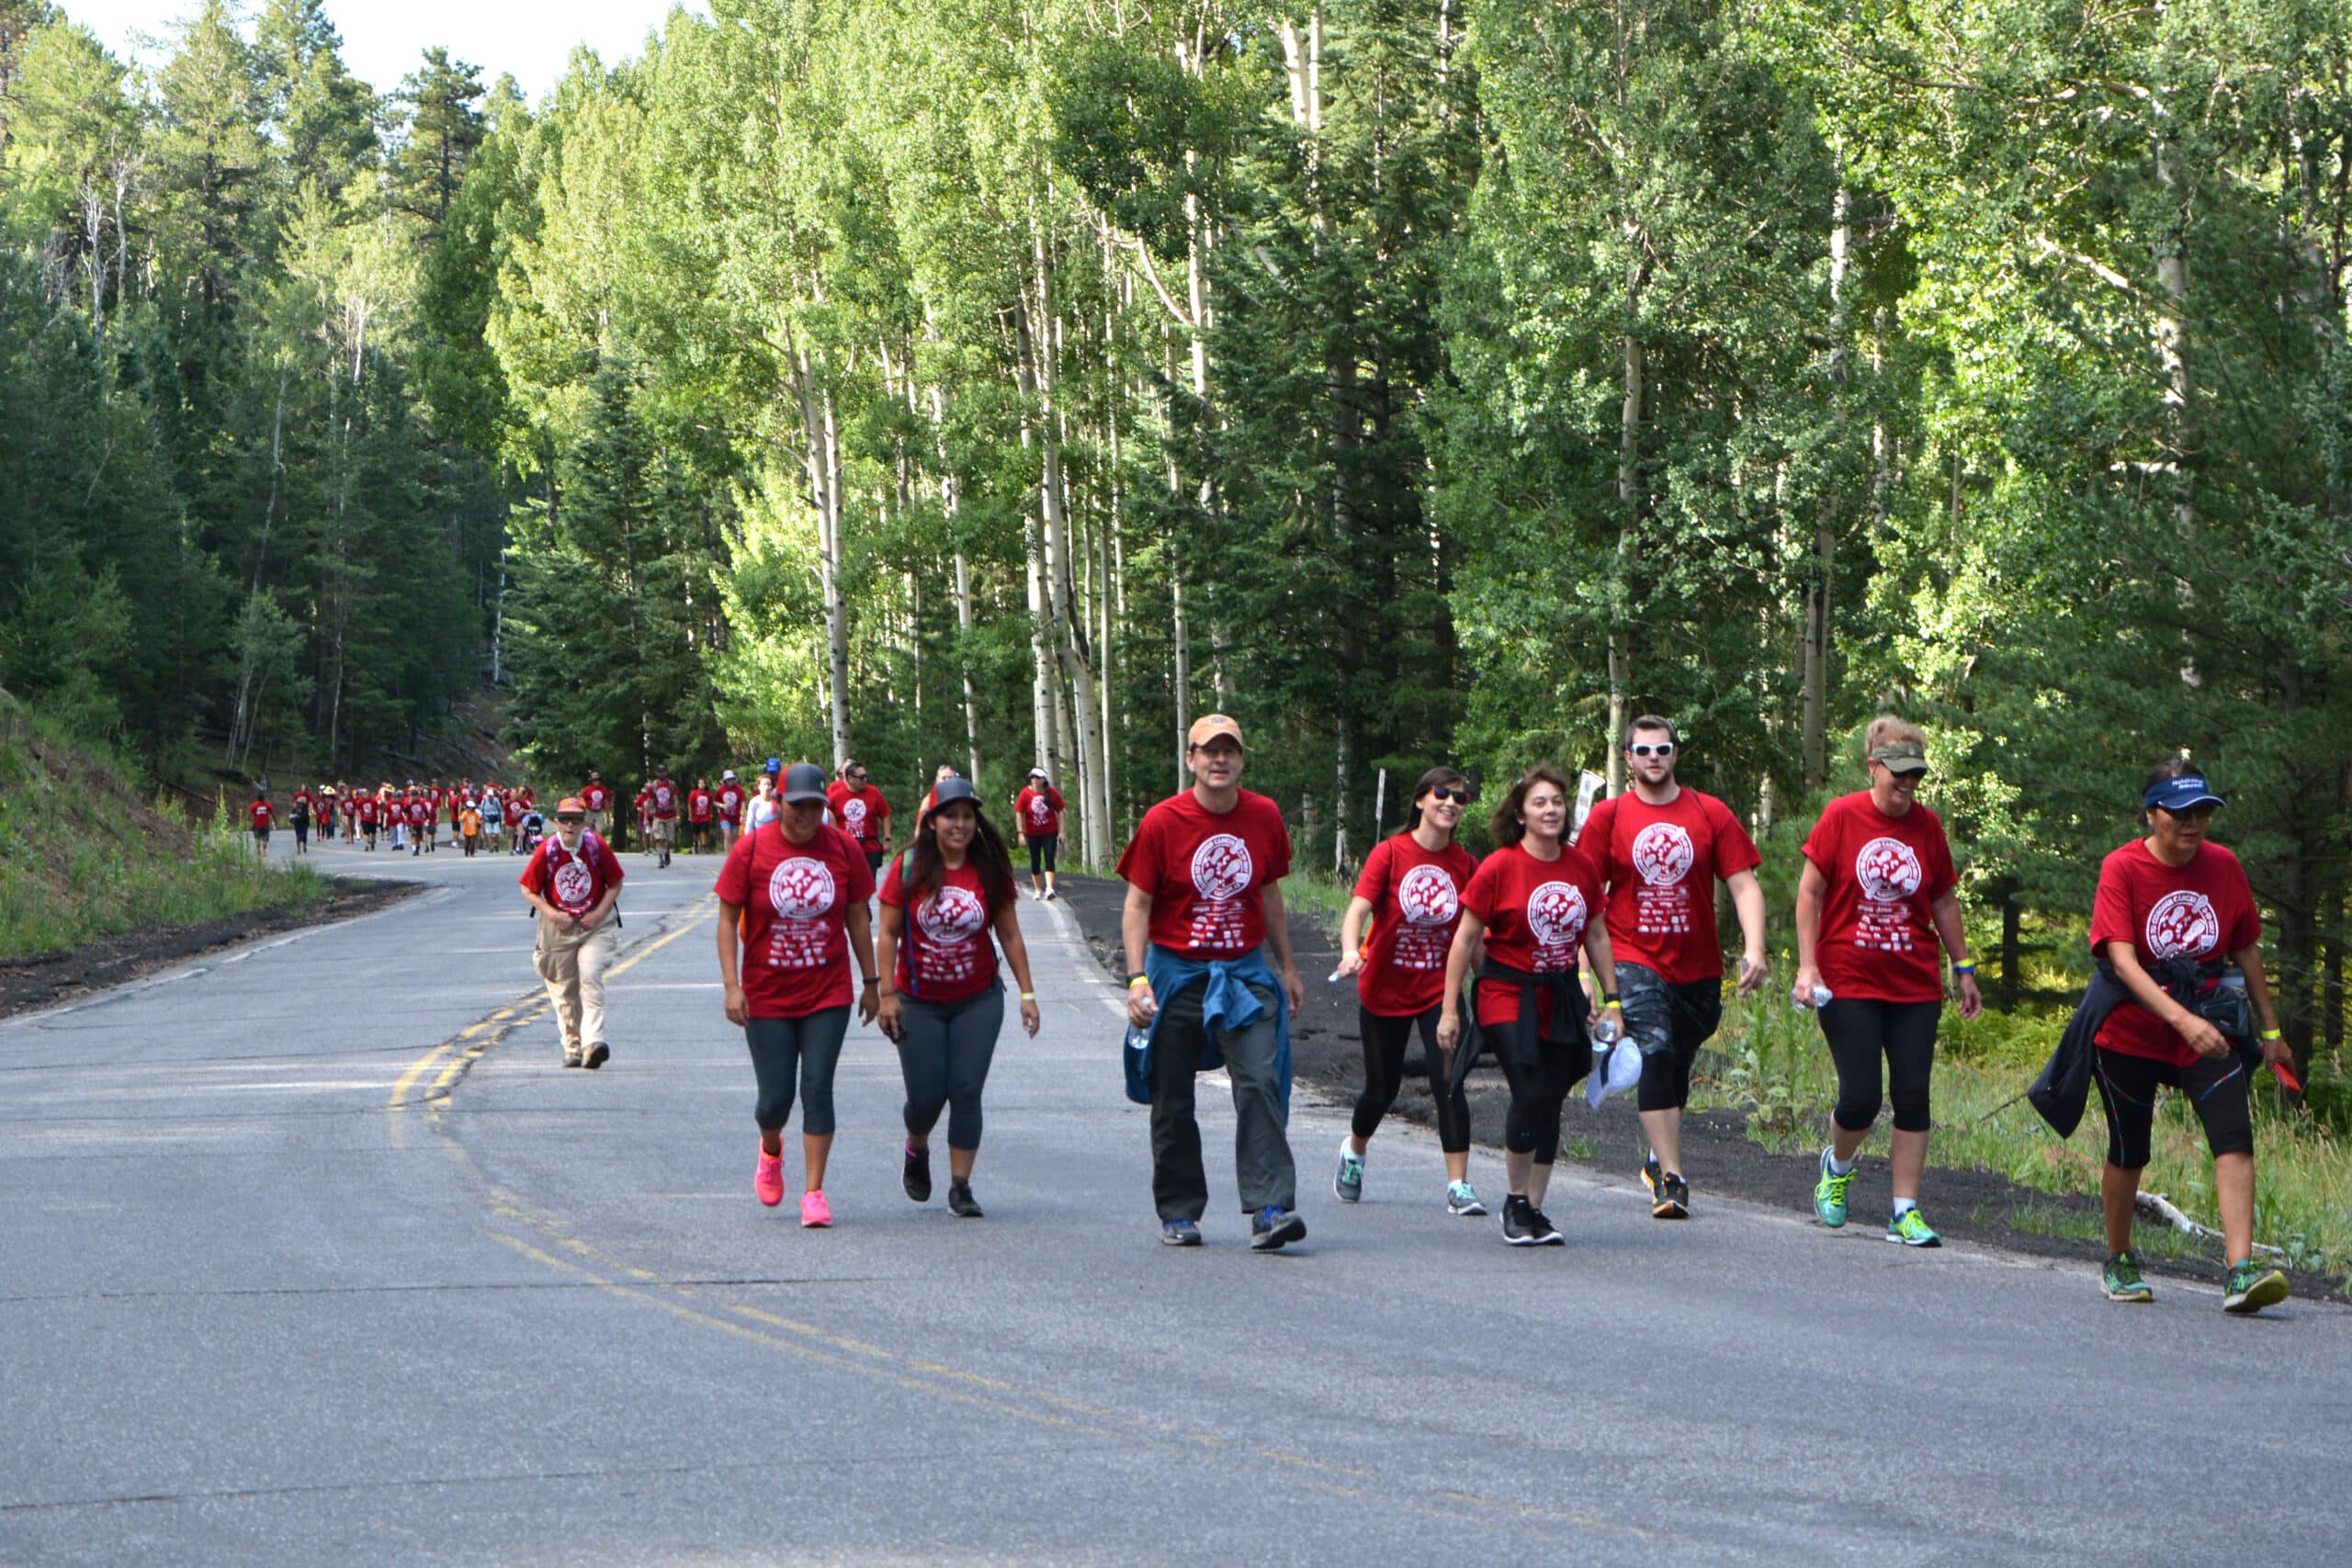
point(990, 382)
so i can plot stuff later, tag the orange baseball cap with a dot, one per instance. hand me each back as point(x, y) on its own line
point(569, 803)
point(1208, 726)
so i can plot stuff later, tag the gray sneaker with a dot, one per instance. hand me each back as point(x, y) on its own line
point(1349, 1182)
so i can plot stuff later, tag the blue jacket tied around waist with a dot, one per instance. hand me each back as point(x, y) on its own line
point(1229, 1004)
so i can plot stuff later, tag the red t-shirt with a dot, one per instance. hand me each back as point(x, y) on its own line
point(644, 800)
point(1535, 912)
point(697, 805)
point(1659, 864)
point(263, 815)
point(730, 803)
point(1040, 811)
point(420, 812)
point(1206, 874)
point(302, 801)
point(947, 939)
point(795, 899)
point(364, 811)
point(572, 883)
point(596, 797)
point(860, 812)
point(2200, 910)
point(515, 806)
point(1416, 898)
point(663, 796)
point(1878, 936)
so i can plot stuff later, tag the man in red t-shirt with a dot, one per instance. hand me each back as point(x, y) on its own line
point(698, 813)
point(596, 800)
point(661, 800)
point(1659, 848)
point(860, 812)
point(418, 811)
point(1203, 898)
point(572, 879)
point(1038, 808)
point(732, 797)
point(264, 816)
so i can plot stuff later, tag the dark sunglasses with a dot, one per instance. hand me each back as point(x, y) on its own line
point(1442, 791)
point(570, 818)
point(1662, 748)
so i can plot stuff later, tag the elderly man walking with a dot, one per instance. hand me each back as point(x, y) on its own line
point(574, 880)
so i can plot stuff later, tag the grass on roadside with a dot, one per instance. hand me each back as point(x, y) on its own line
point(82, 856)
point(1769, 1061)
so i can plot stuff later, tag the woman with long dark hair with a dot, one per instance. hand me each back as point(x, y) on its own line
point(1534, 901)
point(942, 1001)
point(1411, 890)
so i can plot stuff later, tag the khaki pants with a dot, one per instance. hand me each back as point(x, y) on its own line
point(595, 822)
point(663, 830)
point(573, 963)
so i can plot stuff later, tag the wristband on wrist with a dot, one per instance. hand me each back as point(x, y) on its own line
point(1028, 996)
point(1969, 969)
point(1609, 1001)
point(2267, 1035)
point(871, 980)
point(1135, 980)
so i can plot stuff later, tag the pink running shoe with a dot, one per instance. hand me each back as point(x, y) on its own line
point(769, 1180)
point(816, 1214)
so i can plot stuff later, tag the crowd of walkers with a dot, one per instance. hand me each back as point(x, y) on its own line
point(1570, 949)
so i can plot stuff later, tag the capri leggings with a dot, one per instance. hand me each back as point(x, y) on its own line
point(1384, 1074)
point(1863, 1031)
point(943, 1052)
point(812, 1045)
point(1540, 1073)
point(2216, 1087)
point(1043, 848)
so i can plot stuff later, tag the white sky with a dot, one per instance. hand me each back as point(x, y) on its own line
point(384, 40)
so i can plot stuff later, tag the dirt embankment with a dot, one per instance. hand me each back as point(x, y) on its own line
point(1717, 1154)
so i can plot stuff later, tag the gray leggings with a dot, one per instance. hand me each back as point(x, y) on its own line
point(814, 1043)
point(943, 1050)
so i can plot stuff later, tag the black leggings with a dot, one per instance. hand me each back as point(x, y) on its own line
point(1043, 848)
point(2217, 1088)
point(813, 1044)
point(1384, 1074)
point(1863, 1031)
point(1540, 1073)
point(944, 1054)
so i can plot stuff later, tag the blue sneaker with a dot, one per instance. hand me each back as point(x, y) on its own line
point(1181, 1233)
point(1349, 1182)
point(1275, 1227)
point(1829, 1195)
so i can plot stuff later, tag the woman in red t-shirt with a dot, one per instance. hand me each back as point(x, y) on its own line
point(1411, 889)
point(942, 1001)
point(1877, 892)
point(2175, 905)
point(1534, 901)
point(792, 912)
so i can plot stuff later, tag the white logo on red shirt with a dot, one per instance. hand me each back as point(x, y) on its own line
point(1555, 913)
point(854, 817)
point(1428, 897)
point(1663, 854)
point(1221, 868)
point(802, 888)
point(1888, 871)
point(573, 883)
point(1040, 808)
point(954, 916)
point(2183, 925)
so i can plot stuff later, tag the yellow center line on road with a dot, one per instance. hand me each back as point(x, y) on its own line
point(465, 1048)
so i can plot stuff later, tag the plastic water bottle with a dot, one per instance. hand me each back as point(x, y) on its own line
point(1139, 1036)
point(1821, 997)
point(1607, 1031)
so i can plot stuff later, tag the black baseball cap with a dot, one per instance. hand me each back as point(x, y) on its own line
point(804, 781)
point(950, 791)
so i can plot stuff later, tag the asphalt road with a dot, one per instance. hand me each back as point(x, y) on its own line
point(311, 1252)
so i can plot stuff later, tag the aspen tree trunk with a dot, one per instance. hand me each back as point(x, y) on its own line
point(821, 450)
point(1629, 500)
point(951, 501)
point(1816, 742)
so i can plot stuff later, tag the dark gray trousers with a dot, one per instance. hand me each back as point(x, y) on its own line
point(1261, 1148)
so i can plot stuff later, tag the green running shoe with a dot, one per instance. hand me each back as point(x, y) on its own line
point(1829, 1194)
point(1911, 1228)
point(2252, 1288)
point(2122, 1280)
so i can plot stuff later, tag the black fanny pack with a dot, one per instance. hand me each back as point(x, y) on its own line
point(2228, 1008)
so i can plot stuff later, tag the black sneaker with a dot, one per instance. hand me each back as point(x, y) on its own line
point(1517, 1223)
point(596, 1057)
point(960, 1201)
point(1274, 1228)
point(917, 1178)
point(1675, 1203)
point(1654, 1179)
point(1180, 1232)
point(1542, 1228)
